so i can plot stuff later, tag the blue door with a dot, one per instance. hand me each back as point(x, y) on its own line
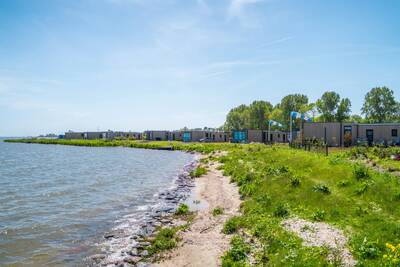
point(187, 137)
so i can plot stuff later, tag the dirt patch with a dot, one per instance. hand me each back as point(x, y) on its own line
point(322, 235)
point(204, 243)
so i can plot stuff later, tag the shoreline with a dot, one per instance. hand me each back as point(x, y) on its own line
point(119, 245)
point(203, 243)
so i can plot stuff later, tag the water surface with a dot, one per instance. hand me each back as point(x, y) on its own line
point(57, 202)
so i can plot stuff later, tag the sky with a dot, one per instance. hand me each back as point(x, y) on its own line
point(165, 64)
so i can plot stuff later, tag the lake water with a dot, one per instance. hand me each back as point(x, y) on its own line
point(57, 202)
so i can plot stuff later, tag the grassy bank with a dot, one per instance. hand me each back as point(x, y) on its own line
point(278, 182)
point(195, 147)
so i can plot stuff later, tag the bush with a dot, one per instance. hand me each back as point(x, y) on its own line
point(199, 171)
point(281, 210)
point(322, 188)
point(231, 225)
point(182, 209)
point(217, 211)
point(360, 172)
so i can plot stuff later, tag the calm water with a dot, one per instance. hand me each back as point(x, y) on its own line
point(57, 202)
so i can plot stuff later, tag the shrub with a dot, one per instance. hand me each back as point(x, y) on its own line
point(322, 188)
point(295, 181)
point(281, 210)
point(319, 215)
point(231, 225)
point(217, 211)
point(360, 172)
point(199, 171)
point(237, 255)
point(182, 209)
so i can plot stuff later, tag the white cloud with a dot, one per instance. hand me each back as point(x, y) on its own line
point(278, 41)
point(236, 7)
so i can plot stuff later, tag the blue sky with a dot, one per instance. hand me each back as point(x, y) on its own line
point(165, 64)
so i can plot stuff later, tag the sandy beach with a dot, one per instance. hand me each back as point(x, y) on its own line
point(204, 243)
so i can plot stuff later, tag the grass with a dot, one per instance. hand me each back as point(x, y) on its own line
point(199, 171)
point(280, 182)
point(165, 239)
point(277, 182)
point(183, 209)
point(217, 211)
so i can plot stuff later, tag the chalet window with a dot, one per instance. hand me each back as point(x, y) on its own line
point(394, 132)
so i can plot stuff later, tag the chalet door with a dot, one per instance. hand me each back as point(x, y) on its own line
point(347, 135)
point(370, 136)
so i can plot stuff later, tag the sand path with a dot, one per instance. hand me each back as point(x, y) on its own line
point(204, 243)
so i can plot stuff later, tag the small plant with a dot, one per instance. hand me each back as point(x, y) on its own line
point(295, 181)
point(319, 215)
point(362, 188)
point(281, 210)
point(182, 209)
point(392, 257)
point(217, 211)
point(368, 249)
point(322, 188)
point(237, 255)
point(231, 225)
point(199, 171)
point(360, 172)
point(165, 239)
point(343, 183)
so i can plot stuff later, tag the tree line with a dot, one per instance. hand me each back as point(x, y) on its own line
point(379, 106)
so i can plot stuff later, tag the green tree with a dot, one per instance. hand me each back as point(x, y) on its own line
point(327, 105)
point(343, 110)
point(355, 118)
point(289, 103)
point(259, 112)
point(237, 118)
point(379, 105)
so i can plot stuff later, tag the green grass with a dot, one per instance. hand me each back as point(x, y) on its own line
point(280, 182)
point(165, 239)
point(199, 171)
point(182, 209)
point(277, 182)
point(217, 211)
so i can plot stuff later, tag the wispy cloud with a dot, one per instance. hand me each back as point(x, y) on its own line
point(236, 7)
point(277, 41)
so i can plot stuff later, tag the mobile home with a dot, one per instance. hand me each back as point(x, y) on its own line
point(348, 134)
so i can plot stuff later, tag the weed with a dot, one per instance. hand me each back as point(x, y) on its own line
point(199, 171)
point(319, 215)
point(295, 181)
point(237, 255)
point(232, 225)
point(360, 172)
point(281, 210)
point(322, 188)
point(165, 239)
point(217, 211)
point(182, 209)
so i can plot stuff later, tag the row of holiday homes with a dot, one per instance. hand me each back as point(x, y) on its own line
point(331, 133)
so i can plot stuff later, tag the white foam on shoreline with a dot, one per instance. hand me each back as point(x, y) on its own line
point(117, 247)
